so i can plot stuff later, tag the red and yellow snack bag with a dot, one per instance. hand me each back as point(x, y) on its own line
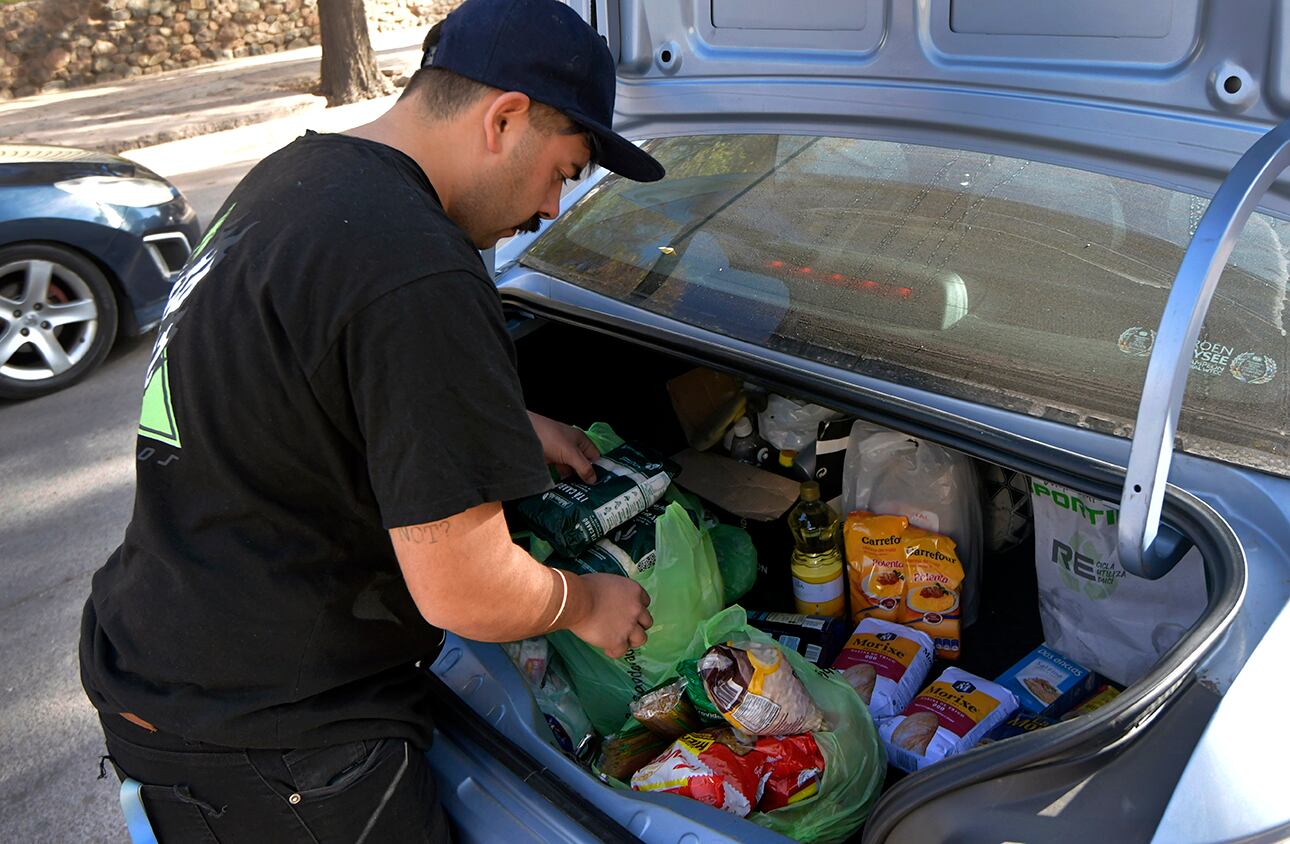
point(933, 586)
point(875, 565)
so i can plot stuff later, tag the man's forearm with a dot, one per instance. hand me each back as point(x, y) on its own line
point(467, 576)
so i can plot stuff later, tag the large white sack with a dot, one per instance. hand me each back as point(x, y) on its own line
point(1093, 611)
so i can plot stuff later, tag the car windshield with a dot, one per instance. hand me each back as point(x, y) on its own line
point(1014, 283)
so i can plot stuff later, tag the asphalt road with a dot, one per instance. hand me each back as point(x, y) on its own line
point(67, 474)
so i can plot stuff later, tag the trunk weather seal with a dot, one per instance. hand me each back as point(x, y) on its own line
point(450, 710)
point(1111, 726)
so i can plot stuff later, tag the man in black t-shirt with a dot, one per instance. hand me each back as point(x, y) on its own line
point(331, 421)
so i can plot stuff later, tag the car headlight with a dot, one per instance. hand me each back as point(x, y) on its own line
point(129, 192)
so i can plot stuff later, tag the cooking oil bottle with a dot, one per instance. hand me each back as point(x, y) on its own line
point(819, 582)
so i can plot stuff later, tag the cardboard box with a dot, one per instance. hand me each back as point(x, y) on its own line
point(1047, 683)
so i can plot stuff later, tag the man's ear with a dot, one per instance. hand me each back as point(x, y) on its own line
point(505, 120)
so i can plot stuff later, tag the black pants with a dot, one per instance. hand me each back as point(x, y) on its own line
point(367, 791)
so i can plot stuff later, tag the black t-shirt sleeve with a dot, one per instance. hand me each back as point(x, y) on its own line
point(431, 371)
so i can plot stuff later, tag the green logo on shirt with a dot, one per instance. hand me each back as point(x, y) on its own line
point(157, 418)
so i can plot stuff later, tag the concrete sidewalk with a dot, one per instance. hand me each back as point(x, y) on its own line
point(152, 110)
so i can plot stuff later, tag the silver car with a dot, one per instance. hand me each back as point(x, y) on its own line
point(1051, 236)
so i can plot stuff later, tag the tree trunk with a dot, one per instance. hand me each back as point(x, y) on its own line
point(348, 71)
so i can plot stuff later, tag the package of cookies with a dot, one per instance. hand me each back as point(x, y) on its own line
point(946, 718)
point(886, 664)
point(755, 688)
point(1048, 683)
point(933, 588)
point(875, 548)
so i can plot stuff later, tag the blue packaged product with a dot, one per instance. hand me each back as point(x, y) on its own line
point(1018, 724)
point(1047, 683)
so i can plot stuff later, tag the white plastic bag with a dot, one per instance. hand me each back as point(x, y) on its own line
point(787, 424)
point(1093, 611)
point(888, 473)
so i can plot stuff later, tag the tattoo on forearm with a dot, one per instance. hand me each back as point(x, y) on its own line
point(429, 533)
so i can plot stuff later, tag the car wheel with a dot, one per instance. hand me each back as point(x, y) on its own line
point(58, 318)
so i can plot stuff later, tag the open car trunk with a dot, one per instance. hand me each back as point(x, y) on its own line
point(582, 368)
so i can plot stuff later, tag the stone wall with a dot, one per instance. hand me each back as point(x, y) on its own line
point(53, 44)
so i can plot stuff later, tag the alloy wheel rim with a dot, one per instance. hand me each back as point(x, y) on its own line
point(48, 319)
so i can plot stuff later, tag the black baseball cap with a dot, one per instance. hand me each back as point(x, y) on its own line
point(544, 49)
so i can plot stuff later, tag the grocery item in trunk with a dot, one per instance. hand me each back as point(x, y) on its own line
point(563, 712)
point(706, 403)
point(948, 717)
point(819, 584)
point(737, 559)
point(737, 488)
point(530, 657)
point(667, 711)
point(875, 547)
point(1019, 724)
point(1047, 683)
point(627, 550)
point(684, 586)
point(936, 489)
point(1092, 610)
point(757, 691)
point(697, 695)
point(572, 515)
point(855, 763)
point(796, 767)
point(933, 584)
point(830, 456)
point(817, 638)
point(787, 424)
point(1104, 695)
point(628, 750)
point(886, 664)
point(713, 767)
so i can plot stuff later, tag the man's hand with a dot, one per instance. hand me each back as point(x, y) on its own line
point(610, 613)
point(566, 448)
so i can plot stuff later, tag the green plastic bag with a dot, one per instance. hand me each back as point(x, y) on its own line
point(855, 764)
point(736, 553)
point(684, 586)
point(737, 559)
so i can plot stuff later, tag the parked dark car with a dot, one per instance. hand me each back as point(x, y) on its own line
point(89, 246)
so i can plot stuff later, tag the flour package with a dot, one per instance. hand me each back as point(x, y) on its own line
point(949, 717)
point(1093, 611)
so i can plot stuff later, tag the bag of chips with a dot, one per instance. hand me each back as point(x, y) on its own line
point(886, 664)
point(756, 690)
point(573, 515)
point(713, 767)
point(948, 717)
point(933, 586)
point(796, 766)
point(875, 564)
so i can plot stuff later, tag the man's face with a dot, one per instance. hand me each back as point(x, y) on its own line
point(523, 187)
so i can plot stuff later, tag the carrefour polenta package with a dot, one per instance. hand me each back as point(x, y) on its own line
point(573, 515)
point(933, 587)
point(875, 565)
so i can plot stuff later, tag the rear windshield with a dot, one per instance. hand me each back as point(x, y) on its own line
point(1013, 283)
